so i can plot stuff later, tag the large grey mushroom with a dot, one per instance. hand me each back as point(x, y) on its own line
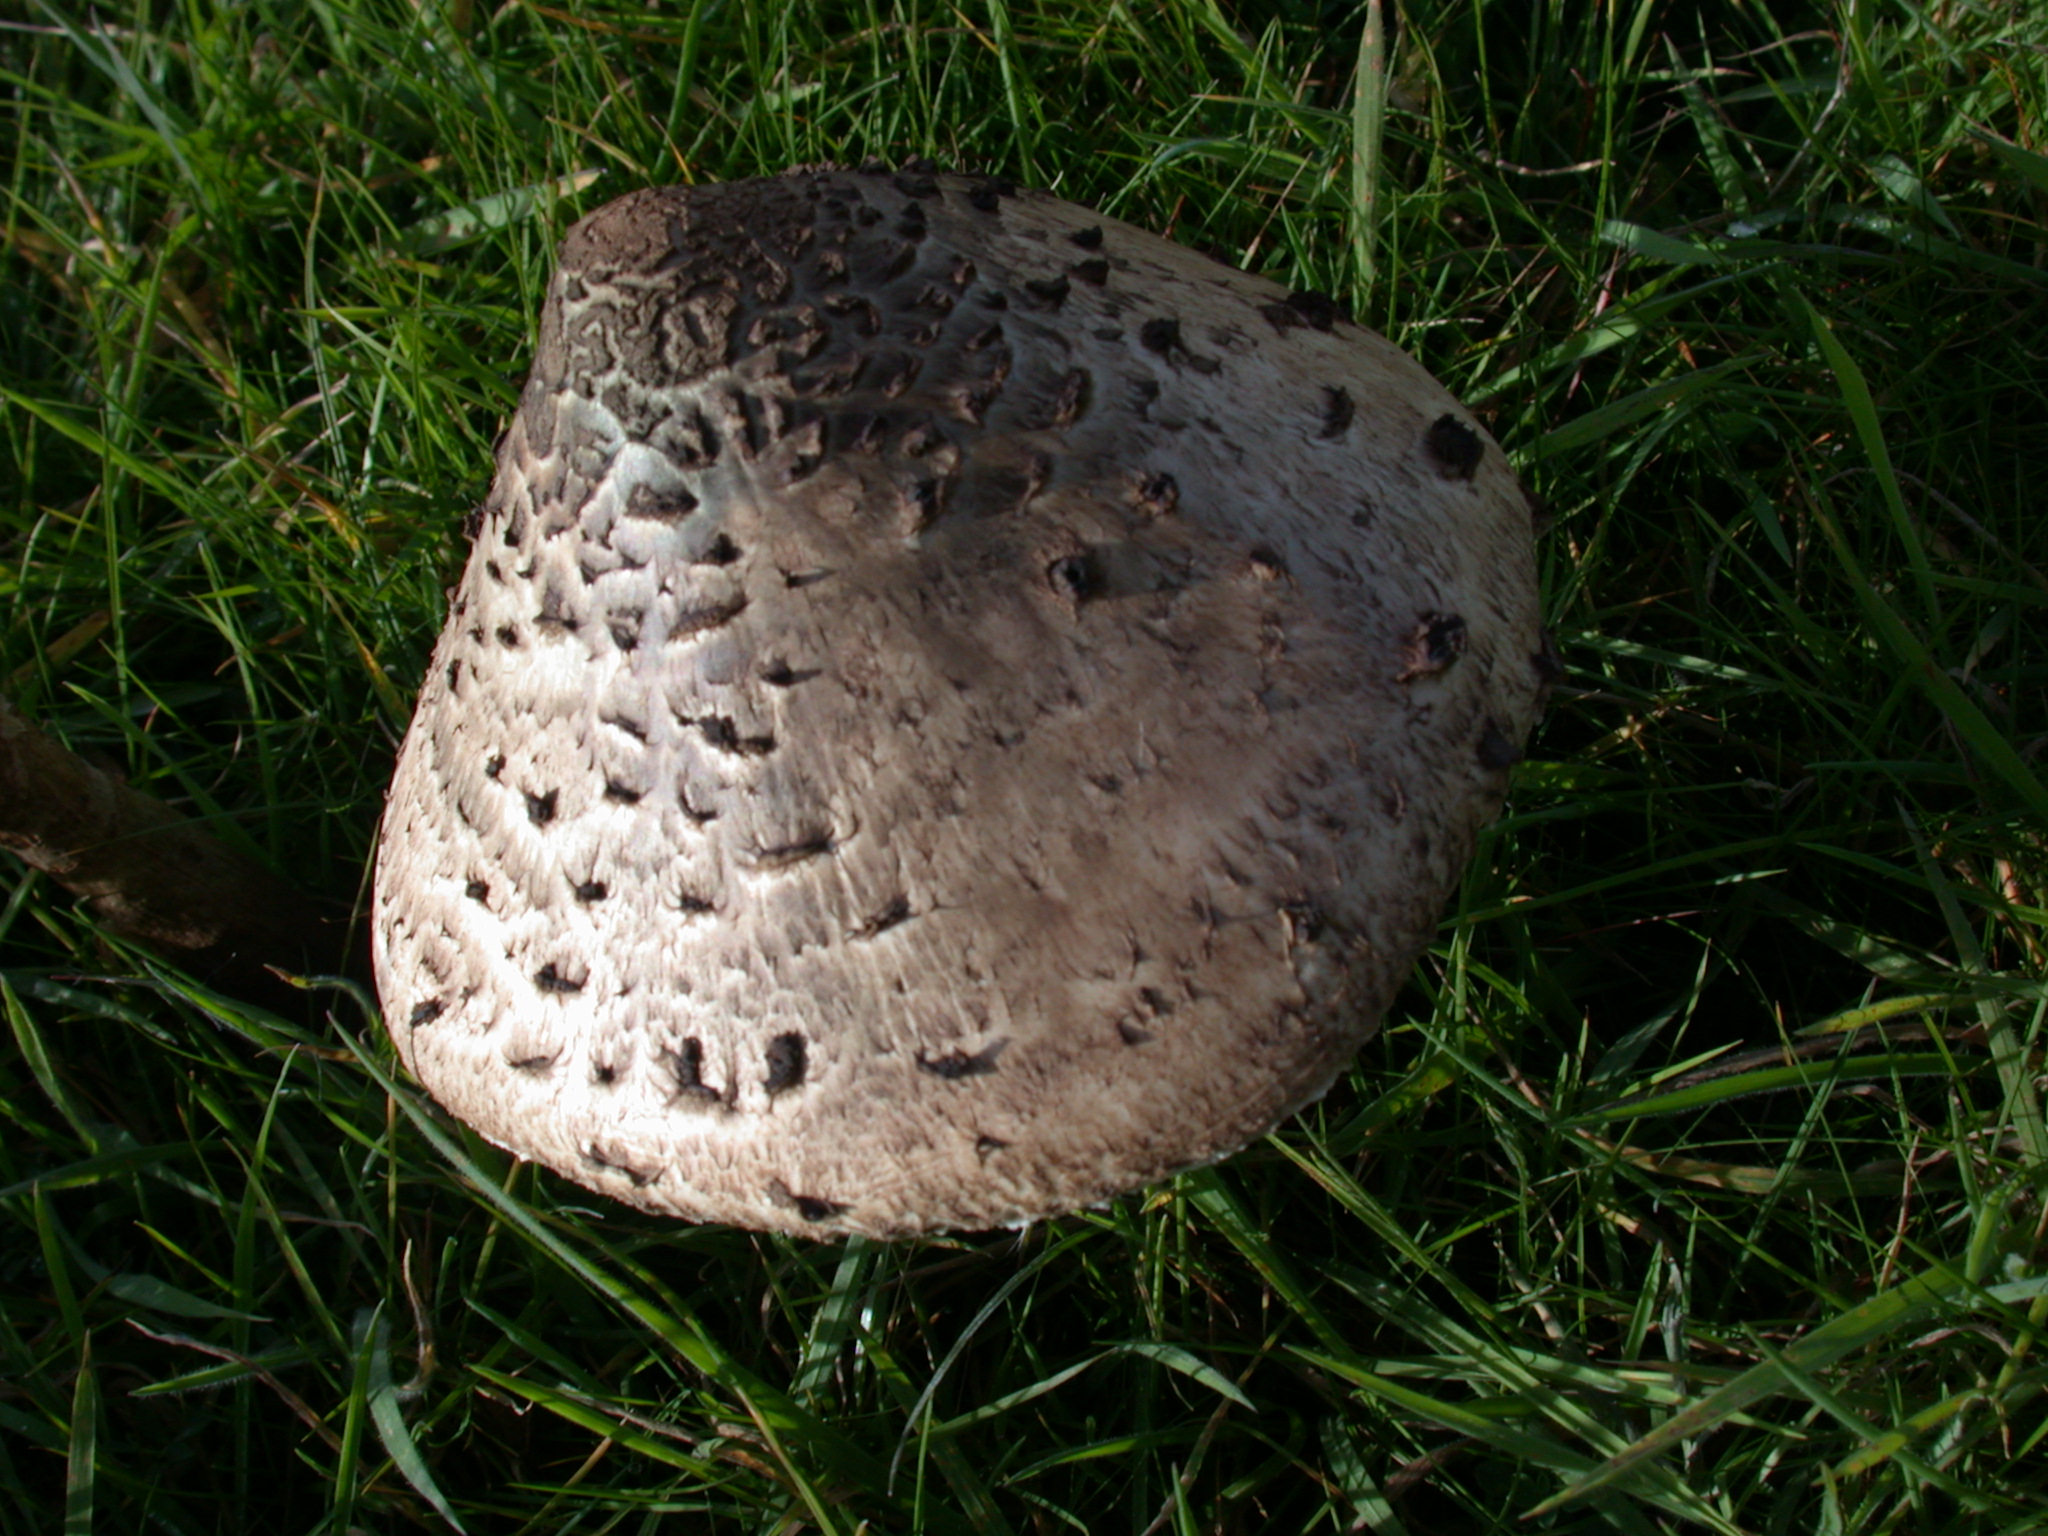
point(957, 708)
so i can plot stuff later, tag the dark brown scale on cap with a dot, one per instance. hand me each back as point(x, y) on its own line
point(1317, 311)
point(1157, 494)
point(1497, 749)
point(897, 259)
point(946, 767)
point(987, 196)
point(1338, 410)
point(1072, 398)
point(1051, 292)
point(1076, 577)
point(1437, 640)
point(1162, 335)
point(1455, 445)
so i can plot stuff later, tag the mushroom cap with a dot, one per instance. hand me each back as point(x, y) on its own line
point(957, 708)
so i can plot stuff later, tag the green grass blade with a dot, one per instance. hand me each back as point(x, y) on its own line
point(1870, 432)
point(1904, 1305)
point(1985, 740)
point(390, 1423)
point(1368, 133)
point(81, 1456)
point(1846, 1069)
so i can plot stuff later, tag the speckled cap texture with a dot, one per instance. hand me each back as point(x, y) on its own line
point(957, 708)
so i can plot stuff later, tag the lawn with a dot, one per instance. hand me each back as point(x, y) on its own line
point(1694, 1182)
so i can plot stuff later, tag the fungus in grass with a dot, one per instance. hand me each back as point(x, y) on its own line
point(1062, 676)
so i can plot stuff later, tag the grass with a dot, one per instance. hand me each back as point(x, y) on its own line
point(1696, 1182)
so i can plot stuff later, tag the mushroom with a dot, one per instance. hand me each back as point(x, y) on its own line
point(957, 708)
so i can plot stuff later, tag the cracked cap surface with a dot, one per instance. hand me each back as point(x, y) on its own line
point(957, 707)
